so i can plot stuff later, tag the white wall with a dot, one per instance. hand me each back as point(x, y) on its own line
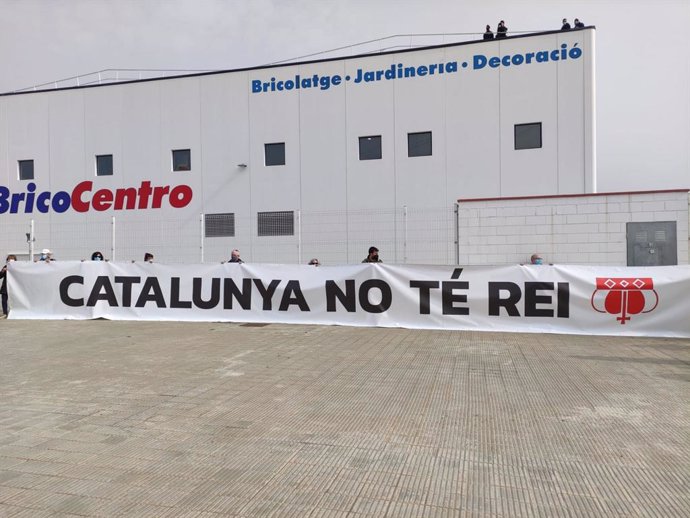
point(566, 229)
point(471, 114)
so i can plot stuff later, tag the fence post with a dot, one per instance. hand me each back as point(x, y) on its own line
point(457, 232)
point(299, 237)
point(201, 237)
point(32, 240)
point(404, 234)
point(112, 238)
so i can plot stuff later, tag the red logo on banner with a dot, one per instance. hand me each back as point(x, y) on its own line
point(624, 296)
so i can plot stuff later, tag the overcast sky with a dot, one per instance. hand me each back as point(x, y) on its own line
point(642, 60)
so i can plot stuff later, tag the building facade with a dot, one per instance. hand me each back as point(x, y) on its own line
point(286, 162)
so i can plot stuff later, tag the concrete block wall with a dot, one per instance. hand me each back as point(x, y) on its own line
point(570, 229)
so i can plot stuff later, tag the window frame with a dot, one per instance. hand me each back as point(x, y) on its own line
point(20, 163)
point(178, 168)
point(515, 136)
point(112, 165)
point(279, 145)
point(369, 138)
point(418, 133)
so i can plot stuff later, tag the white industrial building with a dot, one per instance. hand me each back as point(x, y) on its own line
point(320, 158)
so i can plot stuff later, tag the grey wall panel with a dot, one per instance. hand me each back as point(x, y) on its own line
point(529, 93)
point(420, 105)
point(472, 122)
point(225, 144)
point(103, 132)
point(273, 119)
point(322, 141)
point(572, 138)
point(370, 112)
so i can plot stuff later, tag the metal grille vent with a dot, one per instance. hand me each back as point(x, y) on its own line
point(220, 225)
point(281, 223)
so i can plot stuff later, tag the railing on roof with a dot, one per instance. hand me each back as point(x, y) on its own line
point(388, 44)
point(108, 76)
point(376, 46)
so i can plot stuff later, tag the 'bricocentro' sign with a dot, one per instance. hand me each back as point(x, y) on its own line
point(83, 199)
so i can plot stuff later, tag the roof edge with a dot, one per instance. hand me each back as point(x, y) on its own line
point(547, 196)
point(281, 65)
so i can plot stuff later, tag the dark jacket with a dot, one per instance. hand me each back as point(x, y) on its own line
point(3, 276)
point(565, 26)
point(488, 35)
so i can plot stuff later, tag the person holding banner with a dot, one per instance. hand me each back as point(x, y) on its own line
point(235, 256)
point(46, 255)
point(3, 288)
point(373, 256)
point(536, 259)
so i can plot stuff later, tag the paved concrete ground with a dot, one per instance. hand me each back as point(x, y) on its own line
point(176, 419)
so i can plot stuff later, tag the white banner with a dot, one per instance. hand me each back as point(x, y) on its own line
point(554, 299)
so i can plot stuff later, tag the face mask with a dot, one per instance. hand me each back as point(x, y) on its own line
point(538, 261)
point(97, 258)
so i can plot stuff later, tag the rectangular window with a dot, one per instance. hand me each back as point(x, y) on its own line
point(280, 223)
point(528, 136)
point(104, 165)
point(26, 169)
point(274, 154)
point(419, 144)
point(181, 160)
point(219, 225)
point(370, 148)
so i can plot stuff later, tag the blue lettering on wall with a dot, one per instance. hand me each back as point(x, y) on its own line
point(401, 71)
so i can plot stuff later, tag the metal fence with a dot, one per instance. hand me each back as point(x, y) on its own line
point(403, 235)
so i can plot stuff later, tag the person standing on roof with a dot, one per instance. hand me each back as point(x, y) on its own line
point(502, 30)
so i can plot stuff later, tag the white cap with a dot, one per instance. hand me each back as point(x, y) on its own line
point(46, 251)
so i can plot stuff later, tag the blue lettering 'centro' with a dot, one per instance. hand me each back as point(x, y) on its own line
point(563, 53)
point(82, 199)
